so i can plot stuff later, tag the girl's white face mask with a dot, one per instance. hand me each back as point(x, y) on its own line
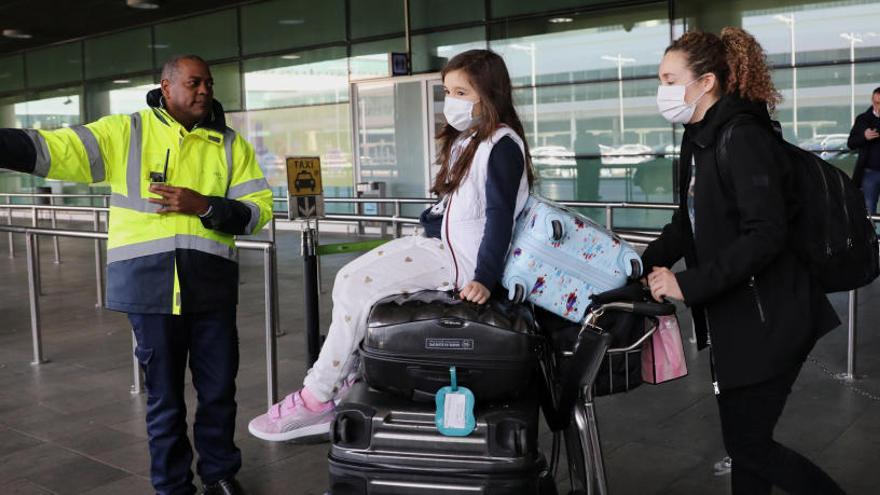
point(458, 113)
point(670, 102)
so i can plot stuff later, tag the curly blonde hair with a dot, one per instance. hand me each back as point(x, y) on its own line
point(737, 60)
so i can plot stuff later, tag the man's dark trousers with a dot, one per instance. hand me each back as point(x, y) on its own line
point(210, 341)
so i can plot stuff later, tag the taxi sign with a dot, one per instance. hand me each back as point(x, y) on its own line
point(304, 176)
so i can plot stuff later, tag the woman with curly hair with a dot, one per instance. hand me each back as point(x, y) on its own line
point(754, 303)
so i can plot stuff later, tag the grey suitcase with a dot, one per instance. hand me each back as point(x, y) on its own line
point(384, 444)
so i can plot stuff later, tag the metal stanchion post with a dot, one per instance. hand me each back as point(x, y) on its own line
point(318, 243)
point(136, 383)
point(35, 223)
point(99, 263)
point(310, 286)
point(34, 296)
point(271, 325)
point(359, 211)
point(272, 228)
point(276, 304)
point(55, 241)
point(397, 225)
point(850, 373)
point(609, 218)
point(9, 222)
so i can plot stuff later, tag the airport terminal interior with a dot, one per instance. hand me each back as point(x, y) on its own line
point(324, 79)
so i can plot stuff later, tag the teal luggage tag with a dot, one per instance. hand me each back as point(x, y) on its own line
point(454, 416)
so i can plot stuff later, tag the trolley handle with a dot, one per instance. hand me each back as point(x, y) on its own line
point(638, 308)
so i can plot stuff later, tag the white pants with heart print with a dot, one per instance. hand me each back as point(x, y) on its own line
point(407, 264)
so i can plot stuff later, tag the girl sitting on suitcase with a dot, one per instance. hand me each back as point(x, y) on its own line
point(484, 180)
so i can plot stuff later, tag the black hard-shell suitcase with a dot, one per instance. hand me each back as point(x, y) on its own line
point(412, 340)
point(386, 444)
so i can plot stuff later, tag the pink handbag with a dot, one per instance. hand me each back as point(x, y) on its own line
point(663, 354)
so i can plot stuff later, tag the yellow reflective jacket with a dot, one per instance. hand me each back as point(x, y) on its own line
point(170, 263)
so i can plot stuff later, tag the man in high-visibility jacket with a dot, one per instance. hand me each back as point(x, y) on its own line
point(183, 185)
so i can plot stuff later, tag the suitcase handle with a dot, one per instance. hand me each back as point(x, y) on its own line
point(556, 229)
point(340, 429)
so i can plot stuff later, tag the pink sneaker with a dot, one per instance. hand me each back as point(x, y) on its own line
point(291, 419)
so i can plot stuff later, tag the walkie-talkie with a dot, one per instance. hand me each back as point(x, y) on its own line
point(157, 177)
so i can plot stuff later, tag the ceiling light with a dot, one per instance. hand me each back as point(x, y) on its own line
point(143, 4)
point(157, 46)
point(291, 22)
point(16, 34)
point(561, 20)
point(121, 81)
point(290, 57)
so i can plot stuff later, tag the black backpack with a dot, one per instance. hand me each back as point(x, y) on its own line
point(832, 232)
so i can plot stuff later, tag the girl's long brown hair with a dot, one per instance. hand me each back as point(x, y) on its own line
point(487, 73)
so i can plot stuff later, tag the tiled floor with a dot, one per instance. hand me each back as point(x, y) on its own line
point(71, 426)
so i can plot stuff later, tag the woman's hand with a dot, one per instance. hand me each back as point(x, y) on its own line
point(663, 284)
point(476, 292)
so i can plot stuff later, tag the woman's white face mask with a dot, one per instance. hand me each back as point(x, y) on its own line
point(671, 103)
point(458, 113)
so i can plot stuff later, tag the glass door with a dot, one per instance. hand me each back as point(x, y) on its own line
point(394, 133)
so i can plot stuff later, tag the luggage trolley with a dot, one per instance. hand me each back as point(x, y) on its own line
point(574, 414)
point(385, 443)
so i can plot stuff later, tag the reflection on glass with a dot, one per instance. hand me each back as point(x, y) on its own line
point(321, 130)
point(391, 138)
point(307, 78)
point(213, 41)
point(817, 29)
point(585, 118)
point(430, 52)
point(49, 113)
point(370, 60)
point(586, 48)
point(11, 73)
point(826, 107)
point(120, 97)
point(54, 65)
point(120, 53)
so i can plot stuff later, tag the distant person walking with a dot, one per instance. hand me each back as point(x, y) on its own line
point(864, 138)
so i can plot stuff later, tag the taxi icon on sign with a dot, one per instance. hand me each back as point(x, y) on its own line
point(304, 180)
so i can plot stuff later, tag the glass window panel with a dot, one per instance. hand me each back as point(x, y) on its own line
point(227, 85)
point(828, 98)
point(117, 97)
point(11, 73)
point(125, 52)
point(279, 25)
point(216, 39)
point(376, 17)
point(504, 8)
point(437, 13)
point(581, 151)
point(321, 130)
point(50, 109)
point(392, 145)
point(432, 51)
point(822, 32)
point(369, 60)
point(594, 46)
point(54, 65)
point(302, 78)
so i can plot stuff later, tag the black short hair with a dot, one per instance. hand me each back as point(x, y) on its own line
point(169, 68)
point(876, 91)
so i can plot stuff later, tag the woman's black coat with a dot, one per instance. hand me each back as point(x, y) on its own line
point(745, 285)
